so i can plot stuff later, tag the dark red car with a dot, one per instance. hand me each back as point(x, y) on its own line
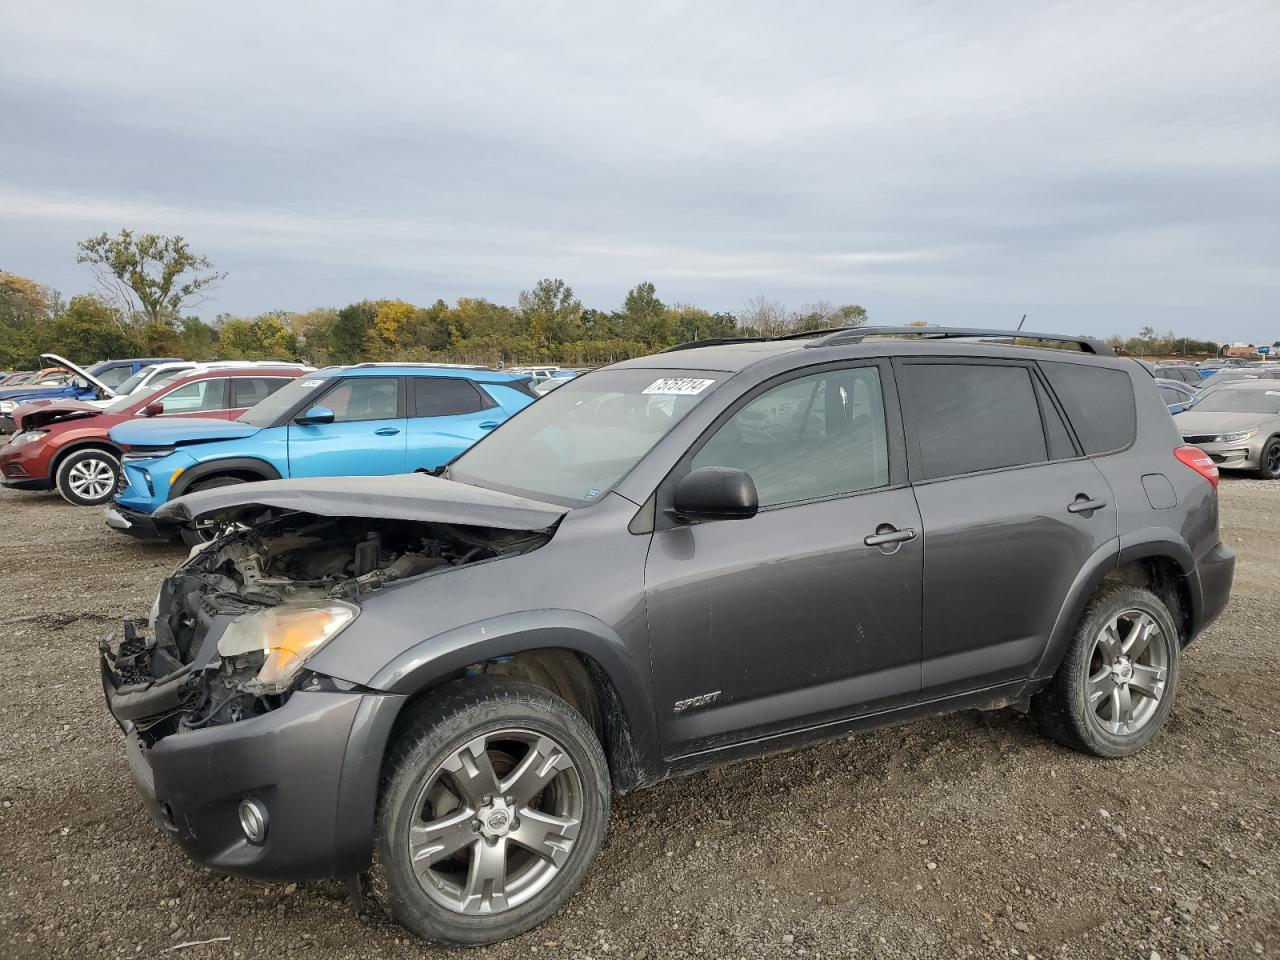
point(65, 445)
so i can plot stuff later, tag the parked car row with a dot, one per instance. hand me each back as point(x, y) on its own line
point(430, 685)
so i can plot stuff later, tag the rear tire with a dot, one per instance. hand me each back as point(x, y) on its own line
point(88, 478)
point(1116, 685)
point(1269, 461)
point(494, 804)
point(194, 534)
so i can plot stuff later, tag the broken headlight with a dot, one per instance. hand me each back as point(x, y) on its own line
point(286, 636)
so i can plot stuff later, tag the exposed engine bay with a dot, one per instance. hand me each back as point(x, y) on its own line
point(231, 628)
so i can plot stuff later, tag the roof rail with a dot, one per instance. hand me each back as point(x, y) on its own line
point(858, 334)
point(712, 342)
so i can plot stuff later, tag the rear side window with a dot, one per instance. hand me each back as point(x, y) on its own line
point(1099, 403)
point(247, 391)
point(446, 397)
point(969, 417)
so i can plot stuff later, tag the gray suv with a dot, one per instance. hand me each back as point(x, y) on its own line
point(432, 685)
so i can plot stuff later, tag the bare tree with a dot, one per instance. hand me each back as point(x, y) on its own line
point(144, 275)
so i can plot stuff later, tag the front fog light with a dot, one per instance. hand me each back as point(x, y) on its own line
point(253, 820)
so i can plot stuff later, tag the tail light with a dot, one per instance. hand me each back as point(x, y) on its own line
point(1199, 461)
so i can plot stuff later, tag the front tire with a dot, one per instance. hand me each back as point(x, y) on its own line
point(1116, 685)
point(1269, 460)
point(194, 533)
point(88, 478)
point(494, 805)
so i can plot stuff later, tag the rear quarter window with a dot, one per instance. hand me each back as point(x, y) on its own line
point(1098, 402)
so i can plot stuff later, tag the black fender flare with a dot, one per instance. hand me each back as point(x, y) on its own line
point(1135, 545)
point(209, 468)
point(626, 701)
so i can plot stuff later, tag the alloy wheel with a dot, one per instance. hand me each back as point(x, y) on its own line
point(1128, 673)
point(496, 821)
point(1273, 459)
point(92, 479)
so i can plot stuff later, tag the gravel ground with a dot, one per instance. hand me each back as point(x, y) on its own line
point(966, 836)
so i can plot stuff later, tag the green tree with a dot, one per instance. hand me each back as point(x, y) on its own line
point(149, 277)
point(551, 312)
point(349, 336)
point(90, 329)
point(198, 340)
point(645, 317)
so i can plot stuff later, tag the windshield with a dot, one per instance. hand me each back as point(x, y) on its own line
point(268, 411)
point(1241, 401)
point(578, 441)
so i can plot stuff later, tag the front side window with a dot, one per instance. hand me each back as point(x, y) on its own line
point(445, 396)
point(195, 397)
point(965, 418)
point(814, 437)
point(363, 398)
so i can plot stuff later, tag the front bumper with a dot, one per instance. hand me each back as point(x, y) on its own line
point(313, 763)
point(135, 524)
point(1234, 456)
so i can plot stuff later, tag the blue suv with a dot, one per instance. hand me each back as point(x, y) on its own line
point(366, 420)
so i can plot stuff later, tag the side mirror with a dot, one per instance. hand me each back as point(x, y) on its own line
point(716, 493)
point(314, 416)
point(153, 409)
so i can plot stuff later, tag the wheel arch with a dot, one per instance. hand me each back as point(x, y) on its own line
point(1154, 559)
point(573, 655)
point(245, 468)
point(76, 446)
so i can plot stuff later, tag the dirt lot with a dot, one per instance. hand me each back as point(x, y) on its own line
point(968, 836)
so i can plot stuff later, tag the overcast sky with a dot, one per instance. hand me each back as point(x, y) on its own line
point(1099, 166)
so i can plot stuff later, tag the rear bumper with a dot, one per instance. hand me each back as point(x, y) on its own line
point(1216, 571)
point(313, 764)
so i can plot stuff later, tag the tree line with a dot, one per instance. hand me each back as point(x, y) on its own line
point(148, 285)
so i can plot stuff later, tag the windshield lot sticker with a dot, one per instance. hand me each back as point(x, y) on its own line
point(313, 383)
point(678, 386)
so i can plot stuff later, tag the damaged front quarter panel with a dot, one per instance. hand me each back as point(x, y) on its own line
point(233, 627)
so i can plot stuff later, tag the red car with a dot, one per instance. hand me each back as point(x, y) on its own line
point(65, 445)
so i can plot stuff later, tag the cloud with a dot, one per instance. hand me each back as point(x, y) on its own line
point(1115, 162)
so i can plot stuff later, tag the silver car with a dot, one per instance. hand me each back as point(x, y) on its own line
point(1238, 425)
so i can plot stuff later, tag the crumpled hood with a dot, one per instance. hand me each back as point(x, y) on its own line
point(1196, 423)
point(407, 496)
point(29, 417)
point(179, 430)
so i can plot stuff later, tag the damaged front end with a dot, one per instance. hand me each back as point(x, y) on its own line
point(232, 630)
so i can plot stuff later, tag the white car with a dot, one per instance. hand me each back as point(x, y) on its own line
point(151, 377)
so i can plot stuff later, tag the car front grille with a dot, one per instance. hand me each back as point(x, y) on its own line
point(1201, 438)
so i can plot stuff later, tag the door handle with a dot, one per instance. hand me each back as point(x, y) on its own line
point(887, 533)
point(489, 425)
point(1082, 504)
point(387, 431)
